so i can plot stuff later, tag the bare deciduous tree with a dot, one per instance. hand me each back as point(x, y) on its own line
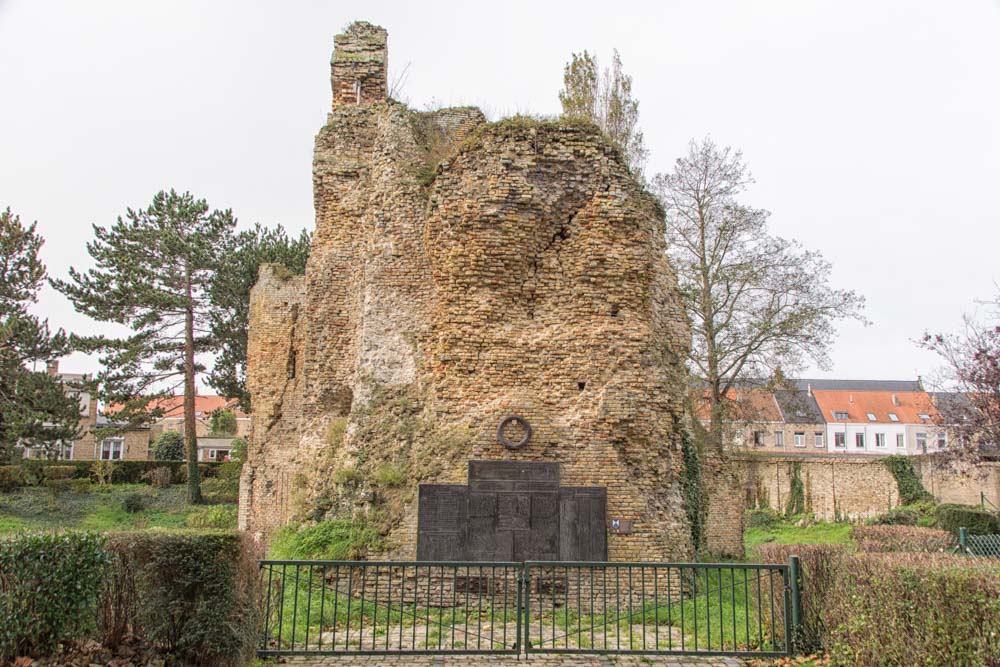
point(605, 98)
point(756, 302)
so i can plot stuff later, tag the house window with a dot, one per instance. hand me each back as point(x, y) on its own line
point(880, 439)
point(859, 440)
point(942, 440)
point(779, 439)
point(758, 438)
point(922, 442)
point(893, 417)
point(800, 439)
point(66, 451)
point(111, 449)
point(839, 440)
point(900, 440)
point(924, 417)
point(872, 417)
point(218, 454)
point(818, 438)
point(838, 414)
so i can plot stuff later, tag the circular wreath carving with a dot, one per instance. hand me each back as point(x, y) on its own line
point(508, 443)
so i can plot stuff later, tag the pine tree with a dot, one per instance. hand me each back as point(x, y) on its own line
point(230, 296)
point(152, 272)
point(36, 409)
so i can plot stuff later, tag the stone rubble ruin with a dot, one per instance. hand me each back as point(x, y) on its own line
point(462, 271)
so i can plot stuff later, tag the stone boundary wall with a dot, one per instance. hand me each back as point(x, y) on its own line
point(834, 488)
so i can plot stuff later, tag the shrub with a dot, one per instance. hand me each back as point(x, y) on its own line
point(763, 518)
point(11, 478)
point(104, 471)
point(390, 475)
point(889, 538)
point(48, 587)
point(978, 521)
point(212, 516)
point(58, 472)
point(159, 477)
point(77, 486)
point(133, 503)
point(896, 517)
point(192, 595)
point(169, 446)
point(349, 476)
point(219, 490)
point(223, 422)
point(337, 539)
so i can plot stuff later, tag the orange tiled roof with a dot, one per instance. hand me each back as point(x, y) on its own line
point(173, 406)
point(747, 404)
point(858, 404)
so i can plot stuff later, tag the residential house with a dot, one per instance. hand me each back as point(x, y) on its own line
point(173, 416)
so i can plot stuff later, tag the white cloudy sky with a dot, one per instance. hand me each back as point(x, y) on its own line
point(872, 127)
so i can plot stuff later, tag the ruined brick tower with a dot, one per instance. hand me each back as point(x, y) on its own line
point(460, 272)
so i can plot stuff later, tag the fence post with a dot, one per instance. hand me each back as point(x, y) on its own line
point(794, 575)
point(963, 540)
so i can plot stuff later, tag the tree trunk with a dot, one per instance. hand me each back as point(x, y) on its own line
point(190, 426)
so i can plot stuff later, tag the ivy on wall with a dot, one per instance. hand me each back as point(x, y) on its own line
point(911, 489)
point(796, 492)
point(692, 486)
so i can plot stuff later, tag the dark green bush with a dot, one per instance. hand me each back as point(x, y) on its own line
point(192, 595)
point(134, 503)
point(169, 446)
point(58, 471)
point(11, 478)
point(977, 520)
point(896, 517)
point(48, 587)
point(78, 486)
point(763, 518)
point(219, 490)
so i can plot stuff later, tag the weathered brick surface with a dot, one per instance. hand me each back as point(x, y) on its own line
point(462, 271)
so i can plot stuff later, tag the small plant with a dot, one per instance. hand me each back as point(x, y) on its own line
point(348, 476)
point(335, 432)
point(389, 476)
point(336, 539)
point(133, 503)
point(11, 478)
point(169, 446)
point(212, 516)
point(104, 471)
point(763, 518)
point(159, 478)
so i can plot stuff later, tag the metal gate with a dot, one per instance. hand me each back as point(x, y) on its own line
point(419, 607)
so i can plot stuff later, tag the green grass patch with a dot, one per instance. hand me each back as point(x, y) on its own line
point(102, 508)
point(785, 533)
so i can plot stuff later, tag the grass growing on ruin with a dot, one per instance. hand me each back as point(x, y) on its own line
point(337, 539)
point(103, 508)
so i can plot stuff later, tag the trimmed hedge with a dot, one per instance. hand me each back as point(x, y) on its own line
point(896, 608)
point(193, 595)
point(897, 539)
point(978, 521)
point(34, 472)
point(49, 585)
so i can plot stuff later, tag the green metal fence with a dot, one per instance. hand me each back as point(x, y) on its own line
point(359, 607)
point(986, 546)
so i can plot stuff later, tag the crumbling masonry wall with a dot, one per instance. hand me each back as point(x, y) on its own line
point(462, 271)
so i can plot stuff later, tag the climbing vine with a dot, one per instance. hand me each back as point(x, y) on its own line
point(911, 489)
point(796, 492)
point(695, 504)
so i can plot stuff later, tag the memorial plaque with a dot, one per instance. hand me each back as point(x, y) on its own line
point(511, 510)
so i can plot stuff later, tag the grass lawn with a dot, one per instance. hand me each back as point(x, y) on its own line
point(102, 509)
point(819, 533)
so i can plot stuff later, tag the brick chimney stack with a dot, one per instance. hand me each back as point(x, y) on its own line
point(358, 69)
point(52, 367)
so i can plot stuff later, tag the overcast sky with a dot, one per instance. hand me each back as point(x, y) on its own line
point(872, 128)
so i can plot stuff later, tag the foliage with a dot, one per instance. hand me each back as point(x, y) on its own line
point(242, 256)
point(796, 492)
point(195, 594)
point(336, 539)
point(223, 422)
point(169, 446)
point(911, 489)
point(133, 503)
point(221, 490)
point(37, 410)
point(975, 519)
point(389, 475)
point(104, 471)
point(693, 491)
point(48, 583)
point(348, 476)
point(152, 272)
point(896, 517)
point(238, 451)
point(212, 516)
point(756, 302)
point(763, 518)
point(972, 371)
point(11, 477)
point(606, 99)
point(159, 477)
point(786, 533)
point(902, 538)
point(78, 486)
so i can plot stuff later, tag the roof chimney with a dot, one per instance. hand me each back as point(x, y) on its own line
point(850, 398)
point(895, 399)
point(52, 367)
point(809, 388)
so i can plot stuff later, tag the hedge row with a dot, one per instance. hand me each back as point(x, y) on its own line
point(191, 595)
point(896, 608)
point(35, 473)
